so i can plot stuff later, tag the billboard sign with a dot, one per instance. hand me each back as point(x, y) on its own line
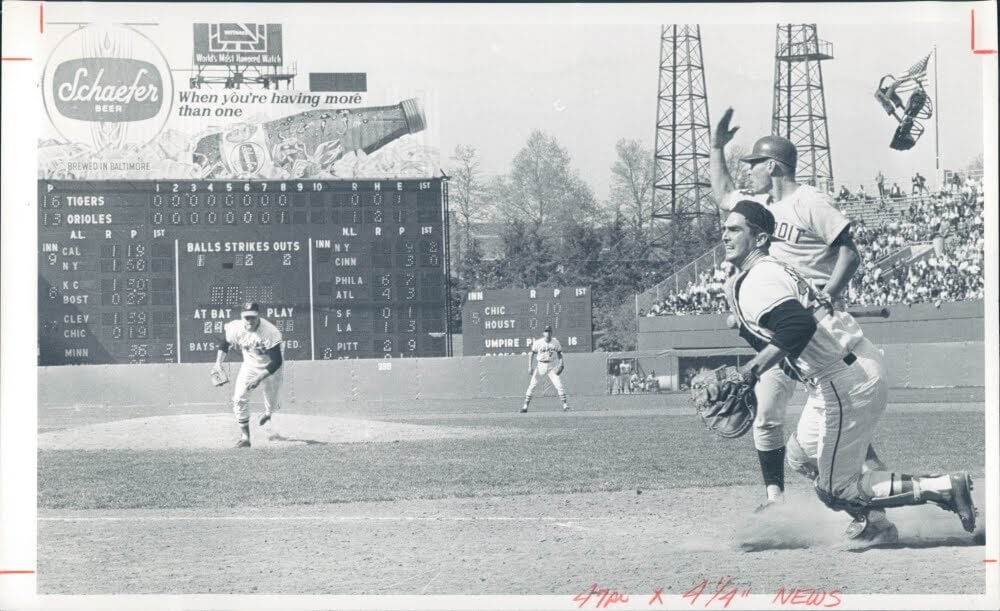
point(245, 44)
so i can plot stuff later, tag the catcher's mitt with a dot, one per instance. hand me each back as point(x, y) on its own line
point(725, 401)
point(219, 376)
point(559, 369)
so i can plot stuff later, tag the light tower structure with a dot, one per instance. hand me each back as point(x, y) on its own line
point(799, 109)
point(681, 187)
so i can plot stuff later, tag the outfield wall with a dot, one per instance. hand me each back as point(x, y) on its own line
point(917, 324)
point(404, 381)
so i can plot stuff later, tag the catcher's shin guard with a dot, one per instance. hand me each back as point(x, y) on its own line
point(952, 492)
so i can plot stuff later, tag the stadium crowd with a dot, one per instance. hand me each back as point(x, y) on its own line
point(949, 227)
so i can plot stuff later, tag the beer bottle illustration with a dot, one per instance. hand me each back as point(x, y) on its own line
point(306, 143)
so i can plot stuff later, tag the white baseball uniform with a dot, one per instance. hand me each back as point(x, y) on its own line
point(546, 355)
point(844, 369)
point(254, 345)
point(805, 224)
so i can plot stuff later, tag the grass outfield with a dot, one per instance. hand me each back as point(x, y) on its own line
point(547, 452)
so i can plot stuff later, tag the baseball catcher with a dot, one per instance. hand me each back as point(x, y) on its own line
point(809, 234)
point(260, 342)
point(725, 400)
point(789, 322)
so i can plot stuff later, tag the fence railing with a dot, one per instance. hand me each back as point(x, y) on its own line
point(937, 183)
point(681, 279)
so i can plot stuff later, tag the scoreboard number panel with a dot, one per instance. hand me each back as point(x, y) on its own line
point(150, 271)
point(507, 321)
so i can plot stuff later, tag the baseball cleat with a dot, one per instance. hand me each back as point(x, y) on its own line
point(243, 443)
point(265, 418)
point(524, 410)
point(875, 532)
point(565, 408)
point(961, 499)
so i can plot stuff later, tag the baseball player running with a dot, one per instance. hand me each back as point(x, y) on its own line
point(261, 344)
point(786, 320)
point(546, 349)
point(811, 235)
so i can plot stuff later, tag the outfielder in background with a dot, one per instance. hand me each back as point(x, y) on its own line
point(548, 352)
point(810, 234)
point(260, 342)
point(786, 319)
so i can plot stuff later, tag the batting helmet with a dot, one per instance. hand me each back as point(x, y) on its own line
point(773, 147)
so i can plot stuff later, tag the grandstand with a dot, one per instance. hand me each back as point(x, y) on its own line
point(916, 248)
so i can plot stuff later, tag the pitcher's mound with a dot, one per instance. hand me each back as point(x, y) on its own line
point(200, 431)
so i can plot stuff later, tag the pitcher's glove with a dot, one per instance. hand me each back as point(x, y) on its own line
point(219, 376)
point(559, 369)
point(725, 401)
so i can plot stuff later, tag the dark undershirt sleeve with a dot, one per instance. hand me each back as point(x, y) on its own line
point(792, 325)
point(275, 354)
point(755, 342)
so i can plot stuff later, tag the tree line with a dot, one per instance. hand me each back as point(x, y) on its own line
point(554, 231)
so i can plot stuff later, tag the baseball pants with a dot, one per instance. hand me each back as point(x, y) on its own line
point(773, 390)
point(840, 418)
point(542, 370)
point(271, 386)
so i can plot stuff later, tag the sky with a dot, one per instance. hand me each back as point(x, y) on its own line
point(488, 83)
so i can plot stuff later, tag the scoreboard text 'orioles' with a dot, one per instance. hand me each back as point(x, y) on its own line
point(150, 271)
point(506, 321)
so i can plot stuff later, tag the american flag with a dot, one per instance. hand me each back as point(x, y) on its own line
point(912, 77)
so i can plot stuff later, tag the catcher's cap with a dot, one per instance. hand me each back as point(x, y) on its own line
point(773, 147)
point(755, 213)
point(548, 328)
point(250, 309)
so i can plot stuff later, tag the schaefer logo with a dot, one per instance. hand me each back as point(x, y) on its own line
point(108, 87)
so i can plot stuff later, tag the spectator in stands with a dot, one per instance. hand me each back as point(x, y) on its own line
point(860, 194)
point(845, 194)
point(919, 183)
point(955, 276)
point(880, 181)
point(895, 192)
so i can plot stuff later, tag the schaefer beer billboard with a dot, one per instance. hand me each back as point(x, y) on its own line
point(114, 111)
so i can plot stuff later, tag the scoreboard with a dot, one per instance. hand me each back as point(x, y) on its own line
point(150, 271)
point(506, 321)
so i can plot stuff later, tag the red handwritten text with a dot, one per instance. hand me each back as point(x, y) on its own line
point(807, 597)
point(657, 597)
point(603, 598)
point(724, 593)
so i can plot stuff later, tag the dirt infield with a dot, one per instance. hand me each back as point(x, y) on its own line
point(550, 544)
point(207, 431)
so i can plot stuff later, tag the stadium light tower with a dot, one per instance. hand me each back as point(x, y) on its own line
point(681, 187)
point(799, 110)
